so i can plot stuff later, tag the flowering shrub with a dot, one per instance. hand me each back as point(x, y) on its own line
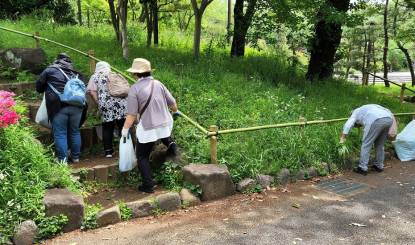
point(8, 114)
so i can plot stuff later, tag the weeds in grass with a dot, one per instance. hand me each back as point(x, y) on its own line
point(170, 176)
point(126, 212)
point(50, 226)
point(90, 217)
point(195, 189)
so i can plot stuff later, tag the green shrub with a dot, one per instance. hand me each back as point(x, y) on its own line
point(26, 171)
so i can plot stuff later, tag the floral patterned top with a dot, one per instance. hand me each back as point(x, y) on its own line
point(111, 108)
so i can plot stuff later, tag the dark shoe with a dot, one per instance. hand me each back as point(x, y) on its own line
point(377, 169)
point(146, 189)
point(360, 171)
point(172, 149)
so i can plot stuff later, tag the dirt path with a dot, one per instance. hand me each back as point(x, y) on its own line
point(382, 213)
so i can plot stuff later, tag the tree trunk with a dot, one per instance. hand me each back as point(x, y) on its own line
point(386, 44)
point(228, 26)
point(325, 43)
point(348, 60)
point(197, 35)
point(78, 3)
point(374, 62)
point(122, 13)
point(368, 59)
point(364, 61)
point(149, 22)
point(114, 20)
point(408, 60)
point(88, 17)
point(241, 24)
point(198, 12)
point(154, 10)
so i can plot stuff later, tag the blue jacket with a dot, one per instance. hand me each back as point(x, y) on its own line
point(52, 75)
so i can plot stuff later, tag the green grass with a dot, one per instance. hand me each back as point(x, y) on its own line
point(393, 90)
point(231, 93)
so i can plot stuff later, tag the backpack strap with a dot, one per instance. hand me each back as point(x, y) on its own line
point(54, 89)
point(57, 67)
point(148, 100)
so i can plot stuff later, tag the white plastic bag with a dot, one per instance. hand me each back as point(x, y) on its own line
point(405, 143)
point(42, 115)
point(128, 160)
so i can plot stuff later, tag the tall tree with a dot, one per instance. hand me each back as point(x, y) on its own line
point(400, 44)
point(115, 20)
point(122, 11)
point(386, 42)
point(198, 11)
point(79, 4)
point(242, 21)
point(326, 39)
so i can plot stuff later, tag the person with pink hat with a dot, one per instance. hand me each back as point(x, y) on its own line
point(148, 103)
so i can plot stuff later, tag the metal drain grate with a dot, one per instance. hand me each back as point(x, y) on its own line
point(341, 186)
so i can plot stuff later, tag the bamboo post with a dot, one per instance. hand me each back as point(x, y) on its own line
point(213, 145)
point(92, 61)
point(37, 39)
point(402, 92)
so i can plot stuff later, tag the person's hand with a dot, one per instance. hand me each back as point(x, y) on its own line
point(124, 132)
point(176, 114)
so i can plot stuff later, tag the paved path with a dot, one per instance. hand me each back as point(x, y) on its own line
point(398, 77)
point(386, 210)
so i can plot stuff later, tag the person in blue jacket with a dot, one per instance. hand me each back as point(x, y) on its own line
point(65, 119)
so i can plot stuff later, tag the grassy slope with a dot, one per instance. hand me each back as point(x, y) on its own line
point(230, 93)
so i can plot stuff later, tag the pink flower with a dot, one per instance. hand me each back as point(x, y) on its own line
point(7, 115)
point(6, 94)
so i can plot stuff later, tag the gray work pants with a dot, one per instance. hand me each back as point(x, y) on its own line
point(377, 135)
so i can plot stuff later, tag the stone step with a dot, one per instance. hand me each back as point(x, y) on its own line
point(100, 171)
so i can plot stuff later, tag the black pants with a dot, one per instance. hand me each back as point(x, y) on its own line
point(143, 152)
point(108, 134)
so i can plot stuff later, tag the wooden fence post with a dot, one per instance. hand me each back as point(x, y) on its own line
point(213, 145)
point(91, 61)
point(402, 92)
point(37, 39)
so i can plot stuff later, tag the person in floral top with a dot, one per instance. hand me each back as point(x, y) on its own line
point(112, 109)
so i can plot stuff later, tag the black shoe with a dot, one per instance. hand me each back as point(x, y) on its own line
point(377, 169)
point(172, 149)
point(360, 171)
point(146, 189)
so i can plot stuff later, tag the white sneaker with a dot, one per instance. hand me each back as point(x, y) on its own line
point(108, 156)
point(75, 160)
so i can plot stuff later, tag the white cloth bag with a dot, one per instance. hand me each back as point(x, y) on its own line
point(405, 143)
point(127, 160)
point(42, 115)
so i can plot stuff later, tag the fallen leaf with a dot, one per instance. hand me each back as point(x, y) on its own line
point(285, 190)
point(226, 219)
point(298, 239)
point(357, 224)
point(383, 216)
point(296, 205)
